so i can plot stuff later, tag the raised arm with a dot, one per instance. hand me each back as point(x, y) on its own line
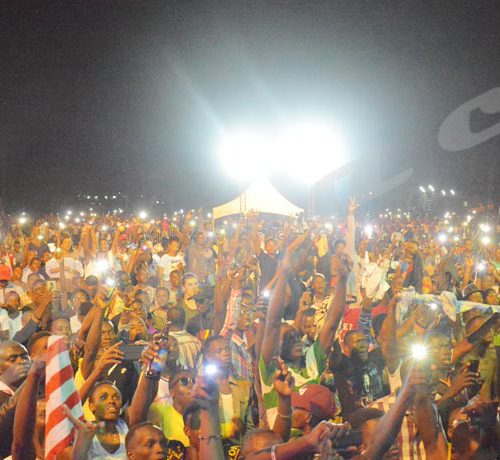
point(387, 337)
point(23, 447)
point(112, 356)
point(233, 304)
point(206, 394)
point(283, 384)
point(270, 344)
point(351, 228)
point(146, 390)
point(390, 424)
point(429, 425)
point(93, 340)
point(336, 308)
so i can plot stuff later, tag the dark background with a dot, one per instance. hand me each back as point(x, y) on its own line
point(100, 97)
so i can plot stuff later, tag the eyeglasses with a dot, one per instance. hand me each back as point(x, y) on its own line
point(185, 381)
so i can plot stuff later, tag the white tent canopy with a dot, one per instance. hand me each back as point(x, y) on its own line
point(261, 197)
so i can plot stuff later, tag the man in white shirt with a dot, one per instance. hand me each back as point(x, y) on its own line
point(172, 260)
point(53, 267)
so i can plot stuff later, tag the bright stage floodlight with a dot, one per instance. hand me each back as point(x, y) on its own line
point(245, 155)
point(311, 150)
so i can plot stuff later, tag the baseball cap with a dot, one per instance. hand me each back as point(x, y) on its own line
point(469, 289)
point(316, 399)
point(5, 273)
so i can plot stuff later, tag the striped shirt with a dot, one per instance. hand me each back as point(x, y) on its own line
point(409, 444)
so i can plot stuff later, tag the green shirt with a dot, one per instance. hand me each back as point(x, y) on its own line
point(170, 421)
point(311, 373)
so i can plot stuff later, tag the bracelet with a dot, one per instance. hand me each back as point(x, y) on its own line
point(284, 416)
point(273, 452)
point(210, 437)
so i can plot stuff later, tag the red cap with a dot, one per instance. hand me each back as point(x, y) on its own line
point(5, 273)
point(316, 399)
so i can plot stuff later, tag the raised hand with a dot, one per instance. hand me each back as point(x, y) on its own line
point(150, 353)
point(292, 260)
point(352, 206)
point(39, 364)
point(113, 355)
point(100, 300)
point(206, 392)
point(88, 429)
point(305, 300)
point(283, 381)
point(464, 379)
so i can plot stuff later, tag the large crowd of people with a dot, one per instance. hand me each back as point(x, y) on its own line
point(259, 338)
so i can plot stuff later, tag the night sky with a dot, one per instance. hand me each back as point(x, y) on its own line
point(105, 96)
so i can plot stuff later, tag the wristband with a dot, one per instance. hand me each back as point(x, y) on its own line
point(210, 437)
point(273, 453)
point(284, 416)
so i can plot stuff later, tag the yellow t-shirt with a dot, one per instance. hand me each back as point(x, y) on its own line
point(170, 421)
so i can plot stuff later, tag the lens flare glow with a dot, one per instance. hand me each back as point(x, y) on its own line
point(418, 351)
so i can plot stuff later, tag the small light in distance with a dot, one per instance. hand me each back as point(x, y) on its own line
point(192, 223)
point(209, 215)
point(443, 192)
point(69, 212)
point(486, 240)
point(369, 231)
point(143, 214)
point(452, 192)
point(422, 189)
point(442, 238)
point(104, 228)
point(431, 188)
point(23, 220)
point(62, 225)
point(329, 226)
point(433, 306)
point(234, 225)
point(210, 234)
point(456, 238)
